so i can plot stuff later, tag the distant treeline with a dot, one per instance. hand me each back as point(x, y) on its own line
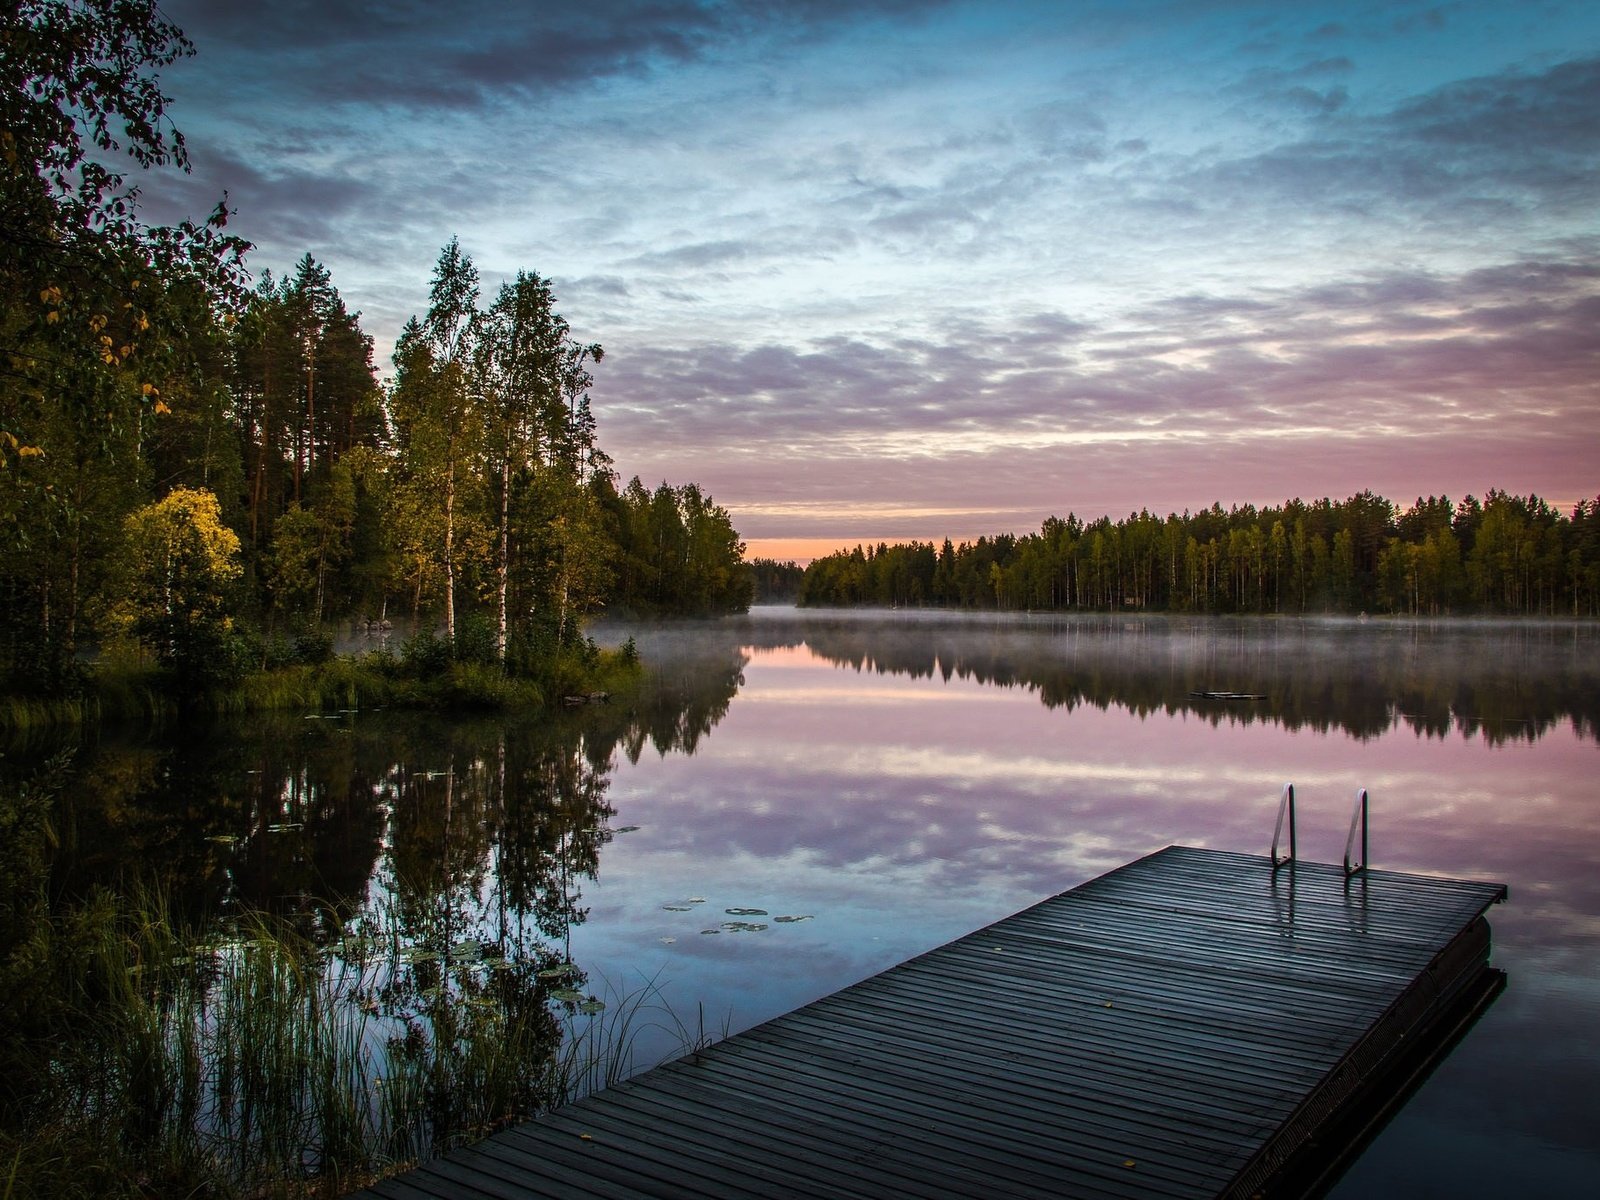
point(775, 582)
point(1505, 554)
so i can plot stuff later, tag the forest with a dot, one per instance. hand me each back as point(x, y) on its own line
point(202, 470)
point(1505, 554)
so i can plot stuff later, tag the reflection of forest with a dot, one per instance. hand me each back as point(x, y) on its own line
point(296, 815)
point(412, 877)
point(1500, 681)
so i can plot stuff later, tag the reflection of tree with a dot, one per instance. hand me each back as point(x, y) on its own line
point(265, 816)
point(1501, 682)
point(418, 879)
point(553, 831)
point(696, 669)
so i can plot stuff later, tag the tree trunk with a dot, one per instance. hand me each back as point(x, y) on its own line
point(504, 566)
point(449, 548)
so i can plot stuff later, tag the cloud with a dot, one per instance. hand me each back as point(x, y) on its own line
point(972, 257)
point(429, 53)
point(1418, 361)
point(1498, 145)
point(1312, 89)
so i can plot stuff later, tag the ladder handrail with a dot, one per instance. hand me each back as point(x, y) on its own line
point(1357, 819)
point(1284, 805)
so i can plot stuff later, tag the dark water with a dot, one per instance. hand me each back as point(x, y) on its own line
point(899, 780)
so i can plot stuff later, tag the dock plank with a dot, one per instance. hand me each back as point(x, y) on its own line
point(1183, 1026)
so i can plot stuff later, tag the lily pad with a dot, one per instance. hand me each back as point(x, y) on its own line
point(570, 995)
point(558, 972)
point(678, 907)
point(745, 912)
point(222, 839)
point(792, 920)
point(629, 829)
point(591, 1006)
point(711, 931)
point(742, 927)
point(286, 827)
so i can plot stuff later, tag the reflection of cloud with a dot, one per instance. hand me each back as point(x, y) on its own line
point(1029, 774)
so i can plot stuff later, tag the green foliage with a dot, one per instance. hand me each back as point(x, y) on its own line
point(107, 326)
point(426, 655)
point(139, 372)
point(774, 582)
point(475, 640)
point(677, 552)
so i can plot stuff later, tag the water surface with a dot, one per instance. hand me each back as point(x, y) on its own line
point(888, 782)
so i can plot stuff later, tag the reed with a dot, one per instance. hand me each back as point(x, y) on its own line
point(257, 1063)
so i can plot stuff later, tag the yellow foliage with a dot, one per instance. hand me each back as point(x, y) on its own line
point(177, 564)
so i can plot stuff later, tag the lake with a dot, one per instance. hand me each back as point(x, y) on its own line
point(802, 798)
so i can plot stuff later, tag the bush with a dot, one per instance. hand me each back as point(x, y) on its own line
point(313, 647)
point(426, 655)
point(475, 640)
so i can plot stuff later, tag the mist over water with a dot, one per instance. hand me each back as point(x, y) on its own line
point(897, 780)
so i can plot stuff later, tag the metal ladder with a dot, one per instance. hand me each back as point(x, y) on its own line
point(1353, 866)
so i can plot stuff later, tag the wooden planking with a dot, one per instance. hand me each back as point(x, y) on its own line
point(1176, 1028)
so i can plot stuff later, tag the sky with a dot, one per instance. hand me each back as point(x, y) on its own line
point(878, 270)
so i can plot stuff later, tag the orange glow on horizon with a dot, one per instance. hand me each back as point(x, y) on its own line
point(803, 549)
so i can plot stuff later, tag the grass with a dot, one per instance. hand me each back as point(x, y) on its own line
point(127, 689)
point(254, 1063)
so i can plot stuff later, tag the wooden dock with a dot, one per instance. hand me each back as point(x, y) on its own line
point(1189, 1025)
